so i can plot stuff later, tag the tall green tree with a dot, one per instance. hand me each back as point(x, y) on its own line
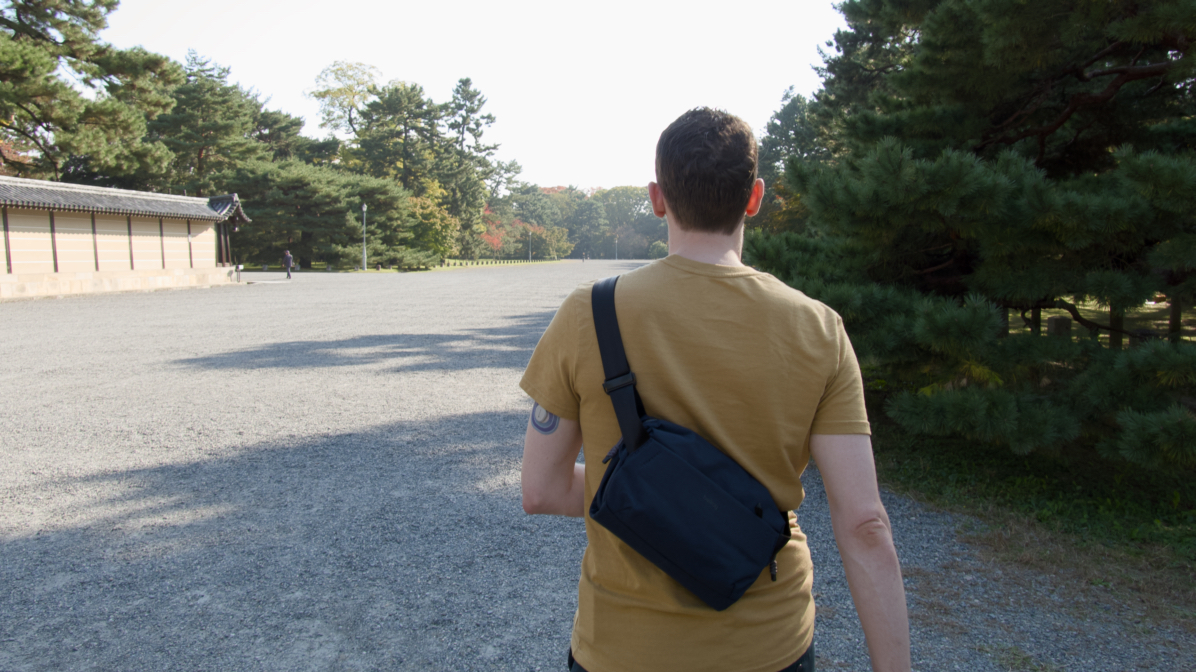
point(633, 224)
point(791, 133)
point(1074, 85)
point(281, 134)
point(64, 93)
point(590, 228)
point(463, 164)
point(465, 161)
point(398, 136)
point(210, 128)
point(991, 155)
point(794, 133)
point(532, 205)
point(314, 212)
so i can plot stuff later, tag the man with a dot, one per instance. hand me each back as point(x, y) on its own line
point(287, 260)
point(754, 366)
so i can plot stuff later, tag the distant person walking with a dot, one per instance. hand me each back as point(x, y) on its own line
point(287, 261)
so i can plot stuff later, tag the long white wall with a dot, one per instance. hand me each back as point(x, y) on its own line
point(113, 243)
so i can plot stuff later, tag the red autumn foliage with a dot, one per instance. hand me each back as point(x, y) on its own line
point(494, 236)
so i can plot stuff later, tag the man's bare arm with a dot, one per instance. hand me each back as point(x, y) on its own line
point(865, 540)
point(552, 480)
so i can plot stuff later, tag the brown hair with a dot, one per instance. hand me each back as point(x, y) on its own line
point(706, 167)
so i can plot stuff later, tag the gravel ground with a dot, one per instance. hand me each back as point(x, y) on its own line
point(322, 474)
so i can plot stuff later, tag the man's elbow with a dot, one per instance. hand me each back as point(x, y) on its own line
point(872, 532)
point(534, 501)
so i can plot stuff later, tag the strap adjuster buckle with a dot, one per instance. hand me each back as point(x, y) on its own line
point(619, 383)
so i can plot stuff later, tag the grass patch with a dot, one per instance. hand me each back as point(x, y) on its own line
point(1154, 316)
point(1110, 527)
point(1117, 504)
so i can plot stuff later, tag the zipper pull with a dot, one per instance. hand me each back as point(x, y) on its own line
point(772, 569)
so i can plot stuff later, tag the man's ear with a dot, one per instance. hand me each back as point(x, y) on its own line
point(657, 197)
point(756, 199)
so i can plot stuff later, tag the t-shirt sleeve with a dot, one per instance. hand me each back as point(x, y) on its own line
point(549, 378)
point(841, 409)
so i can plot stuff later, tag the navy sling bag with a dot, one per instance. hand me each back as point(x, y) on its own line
point(673, 496)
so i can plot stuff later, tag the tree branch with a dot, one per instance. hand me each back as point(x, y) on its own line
point(1085, 322)
point(1107, 51)
point(940, 247)
point(932, 269)
point(1135, 71)
point(1125, 75)
point(1036, 100)
point(22, 28)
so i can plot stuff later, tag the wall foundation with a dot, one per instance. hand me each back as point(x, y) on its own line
point(29, 285)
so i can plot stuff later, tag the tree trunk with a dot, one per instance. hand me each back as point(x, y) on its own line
point(1003, 313)
point(1116, 321)
point(199, 162)
point(1036, 322)
point(305, 239)
point(1175, 324)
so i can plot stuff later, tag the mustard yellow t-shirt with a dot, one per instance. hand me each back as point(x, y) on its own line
point(753, 366)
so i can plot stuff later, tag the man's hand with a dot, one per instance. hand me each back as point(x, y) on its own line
point(553, 482)
point(865, 540)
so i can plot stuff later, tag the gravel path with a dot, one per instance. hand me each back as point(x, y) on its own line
point(322, 474)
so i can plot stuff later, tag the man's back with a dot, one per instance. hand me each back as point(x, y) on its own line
point(751, 365)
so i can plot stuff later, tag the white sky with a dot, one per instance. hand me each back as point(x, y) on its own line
point(580, 91)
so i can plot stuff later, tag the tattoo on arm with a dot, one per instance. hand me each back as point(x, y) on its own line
point(544, 421)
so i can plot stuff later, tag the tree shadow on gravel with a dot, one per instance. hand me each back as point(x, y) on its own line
point(503, 346)
point(402, 547)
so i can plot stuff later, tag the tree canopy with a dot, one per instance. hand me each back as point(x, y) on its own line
point(64, 93)
point(976, 157)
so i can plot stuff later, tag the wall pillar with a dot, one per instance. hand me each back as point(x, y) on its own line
point(7, 245)
point(53, 242)
point(190, 253)
point(129, 221)
point(219, 244)
point(95, 241)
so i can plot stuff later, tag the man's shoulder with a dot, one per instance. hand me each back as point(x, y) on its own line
point(759, 288)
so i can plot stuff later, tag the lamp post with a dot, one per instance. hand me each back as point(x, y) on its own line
point(363, 266)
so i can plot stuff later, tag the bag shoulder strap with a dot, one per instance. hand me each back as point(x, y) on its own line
point(620, 381)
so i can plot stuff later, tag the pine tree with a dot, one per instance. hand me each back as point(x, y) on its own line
point(463, 164)
point(398, 136)
point(791, 133)
point(994, 155)
point(314, 211)
point(210, 128)
point(65, 94)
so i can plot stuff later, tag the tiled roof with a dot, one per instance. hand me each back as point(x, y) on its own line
point(19, 192)
point(228, 207)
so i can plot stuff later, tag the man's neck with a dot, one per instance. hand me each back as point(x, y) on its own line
point(707, 248)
